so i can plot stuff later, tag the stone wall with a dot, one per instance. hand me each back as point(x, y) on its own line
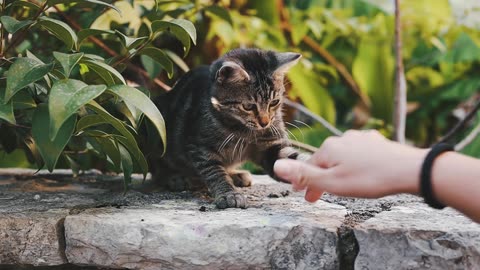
point(86, 223)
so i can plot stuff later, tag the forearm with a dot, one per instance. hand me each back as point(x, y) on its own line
point(456, 183)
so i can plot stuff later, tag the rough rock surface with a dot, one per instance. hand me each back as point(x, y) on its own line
point(283, 234)
point(34, 238)
point(63, 222)
point(418, 237)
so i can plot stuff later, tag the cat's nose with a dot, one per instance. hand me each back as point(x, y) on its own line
point(263, 121)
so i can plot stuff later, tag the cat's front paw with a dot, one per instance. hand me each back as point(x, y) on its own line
point(241, 178)
point(231, 200)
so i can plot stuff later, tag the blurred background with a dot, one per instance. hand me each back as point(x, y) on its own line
point(346, 74)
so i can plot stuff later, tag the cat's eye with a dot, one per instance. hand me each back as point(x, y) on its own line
point(249, 107)
point(274, 102)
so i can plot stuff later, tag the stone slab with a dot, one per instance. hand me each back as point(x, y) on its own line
point(34, 238)
point(285, 233)
point(418, 237)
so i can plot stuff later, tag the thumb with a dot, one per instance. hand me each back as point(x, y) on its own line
point(300, 174)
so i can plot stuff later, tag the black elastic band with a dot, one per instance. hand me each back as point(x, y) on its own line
point(426, 174)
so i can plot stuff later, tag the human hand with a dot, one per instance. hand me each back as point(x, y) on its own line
point(358, 164)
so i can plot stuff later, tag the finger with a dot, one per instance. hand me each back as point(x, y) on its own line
point(313, 195)
point(324, 156)
point(300, 174)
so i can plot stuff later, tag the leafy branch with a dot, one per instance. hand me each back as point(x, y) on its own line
point(314, 46)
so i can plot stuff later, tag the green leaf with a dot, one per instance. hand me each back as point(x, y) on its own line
point(90, 121)
point(129, 42)
point(66, 97)
point(50, 150)
point(85, 33)
point(127, 166)
point(23, 100)
point(373, 70)
point(109, 75)
point(59, 29)
point(24, 4)
point(136, 98)
point(22, 73)
point(68, 61)
point(56, 2)
point(177, 60)
point(6, 110)
point(127, 139)
point(184, 30)
point(220, 12)
point(12, 25)
point(107, 144)
point(160, 57)
point(305, 84)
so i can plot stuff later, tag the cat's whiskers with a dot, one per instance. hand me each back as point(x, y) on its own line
point(234, 150)
point(276, 133)
point(303, 123)
point(225, 142)
point(295, 126)
point(241, 149)
point(295, 137)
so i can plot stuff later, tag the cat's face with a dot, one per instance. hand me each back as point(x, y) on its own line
point(248, 86)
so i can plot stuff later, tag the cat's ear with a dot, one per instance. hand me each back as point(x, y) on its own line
point(231, 72)
point(286, 61)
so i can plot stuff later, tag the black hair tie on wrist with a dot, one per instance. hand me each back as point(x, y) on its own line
point(426, 174)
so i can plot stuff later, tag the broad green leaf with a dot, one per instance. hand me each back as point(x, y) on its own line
point(66, 97)
point(127, 139)
point(107, 144)
point(127, 165)
point(152, 67)
point(6, 110)
point(177, 60)
point(373, 70)
point(23, 100)
point(85, 33)
point(68, 61)
point(23, 4)
point(22, 73)
point(50, 150)
point(129, 42)
point(110, 75)
point(111, 148)
point(12, 25)
point(305, 84)
point(220, 12)
point(56, 2)
point(184, 30)
point(59, 29)
point(160, 57)
point(136, 98)
point(90, 121)
point(34, 57)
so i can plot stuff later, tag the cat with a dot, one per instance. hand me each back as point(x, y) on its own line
point(218, 117)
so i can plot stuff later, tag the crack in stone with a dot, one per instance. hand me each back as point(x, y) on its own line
point(347, 245)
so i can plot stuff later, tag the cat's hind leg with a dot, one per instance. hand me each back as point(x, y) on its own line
point(241, 178)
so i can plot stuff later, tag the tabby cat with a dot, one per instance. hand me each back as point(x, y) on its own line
point(221, 115)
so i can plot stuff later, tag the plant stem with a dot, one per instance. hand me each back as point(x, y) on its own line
point(2, 30)
point(462, 123)
point(469, 139)
point(400, 106)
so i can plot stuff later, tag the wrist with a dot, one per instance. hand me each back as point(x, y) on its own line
point(410, 167)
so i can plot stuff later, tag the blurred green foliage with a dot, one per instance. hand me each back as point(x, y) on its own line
point(346, 74)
